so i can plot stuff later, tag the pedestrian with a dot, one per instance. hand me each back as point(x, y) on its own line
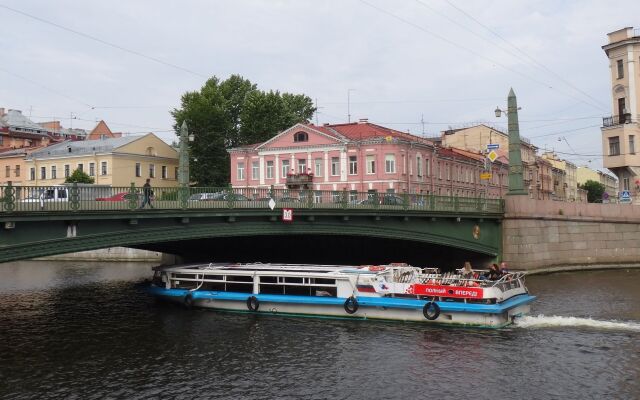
point(503, 268)
point(147, 193)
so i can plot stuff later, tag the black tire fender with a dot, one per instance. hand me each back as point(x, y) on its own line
point(351, 305)
point(253, 303)
point(431, 310)
point(188, 300)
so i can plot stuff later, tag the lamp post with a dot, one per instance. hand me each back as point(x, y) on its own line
point(183, 168)
point(516, 180)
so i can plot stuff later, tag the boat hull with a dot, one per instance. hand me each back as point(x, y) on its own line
point(382, 308)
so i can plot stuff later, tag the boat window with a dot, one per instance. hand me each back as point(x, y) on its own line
point(293, 279)
point(268, 279)
point(323, 281)
point(239, 278)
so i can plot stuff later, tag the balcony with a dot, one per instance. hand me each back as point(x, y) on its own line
point(616, 120)
point(300, 179)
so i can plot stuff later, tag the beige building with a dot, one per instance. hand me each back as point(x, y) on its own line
point(565, 179)
point(620, 131)
point(116, 161)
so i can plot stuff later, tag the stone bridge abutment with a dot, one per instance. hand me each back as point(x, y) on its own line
point(548, 235)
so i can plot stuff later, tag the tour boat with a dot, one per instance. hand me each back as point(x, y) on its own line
point(394, 291)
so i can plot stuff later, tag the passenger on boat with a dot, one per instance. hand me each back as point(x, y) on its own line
point(494, 272)
point(503, 268)
point(468, 275)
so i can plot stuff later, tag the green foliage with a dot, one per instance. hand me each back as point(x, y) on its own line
point(594, 191)
point(79, 177)
point(232, 113)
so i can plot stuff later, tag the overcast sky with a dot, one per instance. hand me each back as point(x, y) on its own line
point(448, 63)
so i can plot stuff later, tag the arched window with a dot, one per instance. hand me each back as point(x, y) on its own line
point(300, 137)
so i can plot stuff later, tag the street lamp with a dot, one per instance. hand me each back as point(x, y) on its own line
point(183, 170)
point(516, 181)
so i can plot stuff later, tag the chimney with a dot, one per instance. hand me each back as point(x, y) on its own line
point(363, 121)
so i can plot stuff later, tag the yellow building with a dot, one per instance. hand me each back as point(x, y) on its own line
point(116, 161)
point(610, 183)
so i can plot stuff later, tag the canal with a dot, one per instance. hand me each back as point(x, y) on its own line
point(85, 331)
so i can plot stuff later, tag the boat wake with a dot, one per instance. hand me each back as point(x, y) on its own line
point(553, 321)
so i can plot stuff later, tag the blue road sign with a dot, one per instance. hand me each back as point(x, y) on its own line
point(493, 146)
point(625, 195)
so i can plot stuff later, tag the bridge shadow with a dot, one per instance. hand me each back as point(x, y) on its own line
point(319, 249)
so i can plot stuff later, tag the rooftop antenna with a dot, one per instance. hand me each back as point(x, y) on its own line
point(422, 122)
point(349, 104)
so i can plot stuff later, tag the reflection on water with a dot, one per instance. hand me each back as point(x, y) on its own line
point(69, 331)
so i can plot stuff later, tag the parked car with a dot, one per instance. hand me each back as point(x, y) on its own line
point(203, 196)
point(123, 196)
point(385, 200)
point(229, 197)
point(47, 195)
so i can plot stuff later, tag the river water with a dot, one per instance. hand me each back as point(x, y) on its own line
point(85, 331)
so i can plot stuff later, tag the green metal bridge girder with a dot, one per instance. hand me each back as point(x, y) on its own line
point(37, 234)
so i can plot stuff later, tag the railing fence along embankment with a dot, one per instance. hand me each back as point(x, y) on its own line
point(73, 198)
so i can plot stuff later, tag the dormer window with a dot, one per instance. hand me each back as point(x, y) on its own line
point(301, 137)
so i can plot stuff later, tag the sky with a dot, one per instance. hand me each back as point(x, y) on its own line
point(421, 66)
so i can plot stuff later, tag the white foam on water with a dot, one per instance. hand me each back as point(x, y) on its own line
point(543, 321)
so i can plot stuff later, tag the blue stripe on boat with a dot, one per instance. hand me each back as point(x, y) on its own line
point(392, 302)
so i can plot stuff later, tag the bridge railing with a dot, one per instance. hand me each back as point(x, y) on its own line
point(94, 198)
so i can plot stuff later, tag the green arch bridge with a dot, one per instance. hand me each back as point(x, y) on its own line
point(223, 224)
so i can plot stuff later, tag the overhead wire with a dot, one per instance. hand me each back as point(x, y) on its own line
point(533, 60)
point(104, 42)
point(480, 55)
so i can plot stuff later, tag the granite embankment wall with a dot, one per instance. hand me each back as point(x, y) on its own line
point(552, 235)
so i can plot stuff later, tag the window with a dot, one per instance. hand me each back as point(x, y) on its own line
point(7, 171)
point(300, 137)
point(371, 164)
point(255, 170)
point(625, 183)
point(285, 168)
point(103, 168)
point(419, 166)
point(439, 170)
point(138, 170)
point(54, 174)
point(302, 165)
point(269, 169)
point(620, 69)
point(81, 167)
point(353, 165)
point(353, 196)
point(175, 171)
point(32, 174)
point(66, 170)
point(92, 169)
point(427, 167)
point(632, 144)
point(164, 172)
point(390, 163)
point(17, 171)
point(614, 146)
point(318, 167)
point(240, 173)
point(335, 166)
point(43, 172)
point(152, 171)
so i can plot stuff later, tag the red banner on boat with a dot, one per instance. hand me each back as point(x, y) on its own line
point(460, 292)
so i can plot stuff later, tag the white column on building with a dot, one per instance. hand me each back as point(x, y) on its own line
point(261, 170)
point(632, 82)
point(292, 164)
point(309, 162)
point(326, 166)
point(277, 168)
point(343, 165)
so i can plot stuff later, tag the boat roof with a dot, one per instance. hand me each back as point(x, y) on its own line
point(275, 267)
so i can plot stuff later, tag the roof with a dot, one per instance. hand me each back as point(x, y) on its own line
point(83, 147)
point(15, 120)
point(367, 130)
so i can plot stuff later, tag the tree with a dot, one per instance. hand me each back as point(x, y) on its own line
point(79, 176)
point(233, 113)
point(594, 191)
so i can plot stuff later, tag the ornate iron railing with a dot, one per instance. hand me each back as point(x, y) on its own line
point(616, 120)
point(71, 198)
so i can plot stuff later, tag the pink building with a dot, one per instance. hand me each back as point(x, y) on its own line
point(362, 157)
